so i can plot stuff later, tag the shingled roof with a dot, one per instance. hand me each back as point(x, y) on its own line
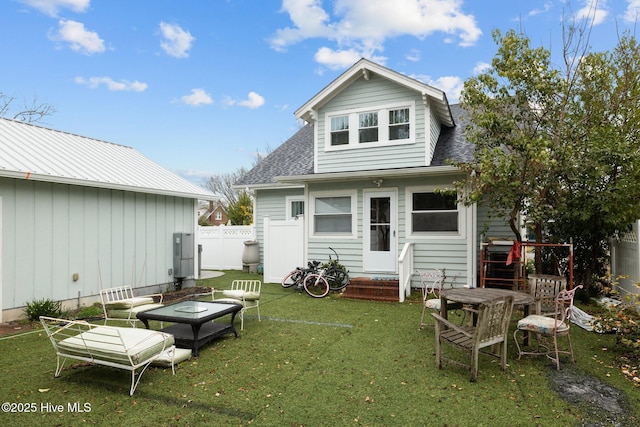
point(452, 144)
point(295, 156)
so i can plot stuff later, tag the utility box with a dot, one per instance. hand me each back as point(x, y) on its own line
point(182, 255)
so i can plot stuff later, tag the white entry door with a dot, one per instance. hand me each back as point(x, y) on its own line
point(380, 239)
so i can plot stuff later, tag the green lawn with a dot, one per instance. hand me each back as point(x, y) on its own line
point(311, 362)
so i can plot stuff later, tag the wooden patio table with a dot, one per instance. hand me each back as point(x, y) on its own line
point(477, 296)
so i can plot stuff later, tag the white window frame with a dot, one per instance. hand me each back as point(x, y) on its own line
point(289, 200)
point(217, 216)
point(462, 215)
point(383, 127)
point(311, 213)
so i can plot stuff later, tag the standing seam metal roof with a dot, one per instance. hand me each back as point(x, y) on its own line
point(33, 152)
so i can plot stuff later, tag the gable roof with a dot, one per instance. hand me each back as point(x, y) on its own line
point(292, 162)
point(364, 67)
point(37, 153)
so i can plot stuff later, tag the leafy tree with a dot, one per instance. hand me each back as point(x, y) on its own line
point(558, 146)
point(241, 212)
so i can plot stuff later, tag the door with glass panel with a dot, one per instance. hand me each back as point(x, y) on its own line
point(379, 228)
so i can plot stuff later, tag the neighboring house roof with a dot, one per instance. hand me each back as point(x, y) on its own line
point(37, 153)
point(294, 158)
point(363, 68)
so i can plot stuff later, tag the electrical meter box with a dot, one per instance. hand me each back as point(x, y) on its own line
point(182, 255)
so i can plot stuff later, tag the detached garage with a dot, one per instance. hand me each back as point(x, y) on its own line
point(77, 213)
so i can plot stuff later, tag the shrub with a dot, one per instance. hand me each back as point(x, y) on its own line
point(43, 307)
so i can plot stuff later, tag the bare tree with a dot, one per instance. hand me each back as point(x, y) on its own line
point(30, 112)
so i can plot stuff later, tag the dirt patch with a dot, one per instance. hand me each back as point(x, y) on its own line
point(601, 404)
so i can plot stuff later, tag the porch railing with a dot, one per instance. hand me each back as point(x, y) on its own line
point(405, 268)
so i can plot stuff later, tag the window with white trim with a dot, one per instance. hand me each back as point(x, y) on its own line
point(333, 214)
point(434, 212)
point(218, 216)
point(368, 127)
point(399, 124)
point(340, 130)
point(295, 206)
point(385, 125)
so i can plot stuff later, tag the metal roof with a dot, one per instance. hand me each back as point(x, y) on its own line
point(37, 153)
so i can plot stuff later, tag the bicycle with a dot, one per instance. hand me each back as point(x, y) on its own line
point(297, 278)
point(337, 277)
point(330, 277)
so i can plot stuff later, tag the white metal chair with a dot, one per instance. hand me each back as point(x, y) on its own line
point(431, 284)
point(245, 292)
point(550, 327)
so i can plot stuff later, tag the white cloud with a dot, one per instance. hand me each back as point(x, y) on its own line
point(197, 97)
point(336, 60)
point(481, 67)
point(362, 26)
point(632, 13)
point(112, 85)
point(450, 85)
point(594, 10)
point(176, 41)
point(545, 8)
point(413, 55)
point(253, 101)
point(52, 7)
point(79, 38)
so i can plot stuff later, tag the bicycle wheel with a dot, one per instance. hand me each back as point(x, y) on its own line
point(293, 278)
point(316, 285)
point(337, 278)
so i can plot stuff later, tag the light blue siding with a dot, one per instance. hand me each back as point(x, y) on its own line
point(272, 204)
point(372, 93)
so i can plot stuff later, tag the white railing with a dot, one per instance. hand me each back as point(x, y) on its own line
point(223, 245)
point(405, 267)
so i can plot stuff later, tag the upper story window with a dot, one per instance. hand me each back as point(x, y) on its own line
point(368, 127)
point(399, 124)
point(218, 216)
point(389, 124)
point(340, 130)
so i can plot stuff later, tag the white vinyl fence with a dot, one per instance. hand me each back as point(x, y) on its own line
point(283, 248)
point(625, 259)
point(222, 246)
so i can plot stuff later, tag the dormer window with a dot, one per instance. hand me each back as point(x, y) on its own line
point(399, 127)
point(340, 130)
point(368, 127)
point(385, 125)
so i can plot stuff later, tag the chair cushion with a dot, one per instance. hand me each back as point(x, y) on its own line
point(106, 343)
point(433, 304)
point(129, 302)
point(541, 324)
point(239, 293)
point(131, 312)
point(164, 360)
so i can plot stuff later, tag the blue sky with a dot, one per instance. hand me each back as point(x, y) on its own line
point(201, 86)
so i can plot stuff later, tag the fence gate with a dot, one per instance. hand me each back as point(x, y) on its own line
point(283, 248)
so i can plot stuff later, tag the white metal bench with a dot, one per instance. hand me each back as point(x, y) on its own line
point(119, 303)
point(245, 292)
point(125, 348)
